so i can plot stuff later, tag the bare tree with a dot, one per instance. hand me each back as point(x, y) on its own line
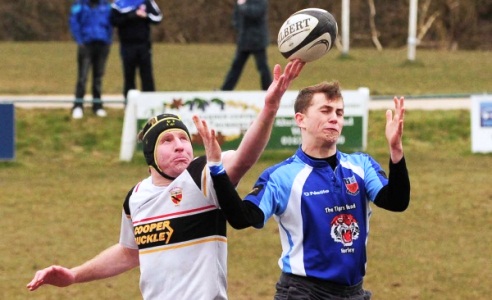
point(426, 21)
point(372, 24)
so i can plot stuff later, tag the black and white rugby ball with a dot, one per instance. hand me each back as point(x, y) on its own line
point(307, 34)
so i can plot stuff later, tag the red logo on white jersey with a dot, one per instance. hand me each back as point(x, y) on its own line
point(176, 195)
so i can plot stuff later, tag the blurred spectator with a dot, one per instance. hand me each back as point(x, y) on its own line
point(133, 19)
point(250, 22)
point(92, 31)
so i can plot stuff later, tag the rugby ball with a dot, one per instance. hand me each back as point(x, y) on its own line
point(307, 34)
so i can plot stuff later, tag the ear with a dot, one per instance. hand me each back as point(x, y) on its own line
point(299, 119)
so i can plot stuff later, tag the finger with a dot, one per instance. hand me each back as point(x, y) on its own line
point(284, 80)
point(395, 101)
point(291, 72)
point(399, 109)
point(288, 67)
point(399, 103)
point(34, 284)
point(202, 128)
point(281, 83)
point(196, 121)
point(205, 126)
point(212, 135)
point(277, 71)
point(402, 107)
point(402, 119)
point(297, 67)
point(389, 116)
point(30, 285)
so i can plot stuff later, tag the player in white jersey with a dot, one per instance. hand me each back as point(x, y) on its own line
point(320, 197)
point(172, 225)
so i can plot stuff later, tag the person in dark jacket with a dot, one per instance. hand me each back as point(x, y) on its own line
point(133, 19)
point(92, 31)
point(250, 22)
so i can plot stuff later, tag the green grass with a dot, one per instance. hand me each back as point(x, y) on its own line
point(50, 68)
point(61, 202)
point(61, 198)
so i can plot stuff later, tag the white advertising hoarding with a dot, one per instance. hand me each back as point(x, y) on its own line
point(230, 114)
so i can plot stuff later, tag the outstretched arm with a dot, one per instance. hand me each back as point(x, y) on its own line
point(240, 214)
point(396, 195)
point(112, 261)
point(238, 162)
point(394, 129)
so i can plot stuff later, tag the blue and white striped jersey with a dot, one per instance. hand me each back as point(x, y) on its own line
point(323, 214)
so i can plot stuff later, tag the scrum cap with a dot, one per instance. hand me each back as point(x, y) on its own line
point(151, 132)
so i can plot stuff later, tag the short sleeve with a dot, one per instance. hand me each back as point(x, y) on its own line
point(127, 239)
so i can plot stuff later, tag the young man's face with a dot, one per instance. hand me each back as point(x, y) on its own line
point(173, 152)
point(323, 120)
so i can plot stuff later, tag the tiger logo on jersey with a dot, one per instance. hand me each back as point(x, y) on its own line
point(344, 229)
point(351, 185)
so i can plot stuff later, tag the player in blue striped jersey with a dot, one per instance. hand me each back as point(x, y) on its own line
point(320, 198)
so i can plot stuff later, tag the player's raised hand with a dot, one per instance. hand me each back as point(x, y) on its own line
point(212, 147)
point(394, 129)
point(281, 81)
point(54, 275)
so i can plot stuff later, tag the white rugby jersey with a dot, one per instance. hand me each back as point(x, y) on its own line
point(181, 236)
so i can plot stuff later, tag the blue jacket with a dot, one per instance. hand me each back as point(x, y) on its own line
point(91, 23)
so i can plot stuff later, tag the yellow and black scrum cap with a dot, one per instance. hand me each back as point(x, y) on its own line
point(153, 129)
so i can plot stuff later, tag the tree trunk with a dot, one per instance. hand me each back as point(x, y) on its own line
point(372, 24)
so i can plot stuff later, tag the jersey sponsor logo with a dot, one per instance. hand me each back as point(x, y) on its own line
point(151, 233)
point(180, 229)
point(351, 185)
point(315, 193)
point(340, 208)
point(344, 229)
point(176, 195)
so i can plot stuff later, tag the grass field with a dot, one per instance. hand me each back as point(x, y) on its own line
point(61, 198)
point(50, 68)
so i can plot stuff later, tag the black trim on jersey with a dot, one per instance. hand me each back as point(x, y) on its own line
point(196, 168)
point(184, 229)
point(331, 160)
point(396, 195)
point(126, 204)
point(240, 214)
